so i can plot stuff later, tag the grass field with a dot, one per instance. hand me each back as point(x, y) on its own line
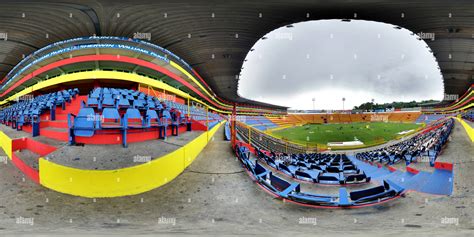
point(368, 133)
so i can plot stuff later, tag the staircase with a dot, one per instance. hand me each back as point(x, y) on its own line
point(58, 129)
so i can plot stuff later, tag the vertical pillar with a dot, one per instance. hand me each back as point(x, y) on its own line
point(250, 136)
point(207, 117)
point(189, 109)
point(232, 126)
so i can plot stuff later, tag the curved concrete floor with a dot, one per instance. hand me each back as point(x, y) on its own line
point(215, 196)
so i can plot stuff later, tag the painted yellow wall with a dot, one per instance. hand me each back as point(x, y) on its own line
point(126, 181)
point(468, 128)
point(6, 144)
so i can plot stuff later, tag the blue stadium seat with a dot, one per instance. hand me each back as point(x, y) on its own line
point(84, 124)
point(152, 119)
point(133, 118)
point(123, 103)
point(110, 119)
point(108, 102)
point(139, 104)
point(93, 102)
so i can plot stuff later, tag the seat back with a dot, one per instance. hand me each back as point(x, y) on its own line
point(108, 102)
point(152, 118)
point(123, 103)
point(92, 102)
point(110, 118)
point(278, 183)
point(84, 123)
point(356, 195)
point(355, 177)
point(284, 168)
point(302, 174)
point(328, 177)
point(259, 169)
point(332, 169)
point(134, 118)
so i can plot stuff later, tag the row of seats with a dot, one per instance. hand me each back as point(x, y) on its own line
point(316, 167)
point(430, 118)
point(128, 109)
point(292, 191)
point(468, 115)
point(259, 122)
point(28, 110)
point(428, 143)
point(122, 99)
point(227, 131)
point(125, 109)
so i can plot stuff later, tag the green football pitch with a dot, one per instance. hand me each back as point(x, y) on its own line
point(368, 133)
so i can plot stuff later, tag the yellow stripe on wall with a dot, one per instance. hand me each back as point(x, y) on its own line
point(122, 182)
point(6, 144)
point(468, 128)
point(182, 70)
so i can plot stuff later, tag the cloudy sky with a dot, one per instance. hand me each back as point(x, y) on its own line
point(328, 60)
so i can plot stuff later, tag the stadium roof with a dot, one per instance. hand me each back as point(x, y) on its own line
point(214, 37)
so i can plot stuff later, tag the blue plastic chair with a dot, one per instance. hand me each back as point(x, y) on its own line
point(84, 124)
point(111, 119)
point(133, 118)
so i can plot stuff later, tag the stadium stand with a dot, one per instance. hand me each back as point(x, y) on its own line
point(103, 111)
point(428, 143)
point(27, 111)
point(227, 135)
point(314, 167)
point(259, 122)
point(292, 191)
point(301, 119)
point(468, 115)
point(430, 118)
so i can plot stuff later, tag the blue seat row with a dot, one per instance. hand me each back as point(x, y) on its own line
point(94, 116)
point(28, 109)
point(227, 131)
point(426, 144)
point(316, 167)
point(292, 191)
point(100, 98)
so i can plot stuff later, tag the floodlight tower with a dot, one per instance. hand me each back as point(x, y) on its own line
point(314, 99)
point(343, 100)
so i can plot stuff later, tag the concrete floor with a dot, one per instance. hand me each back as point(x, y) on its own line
point(100, 157)
point(107, 157)
point(215, 196)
